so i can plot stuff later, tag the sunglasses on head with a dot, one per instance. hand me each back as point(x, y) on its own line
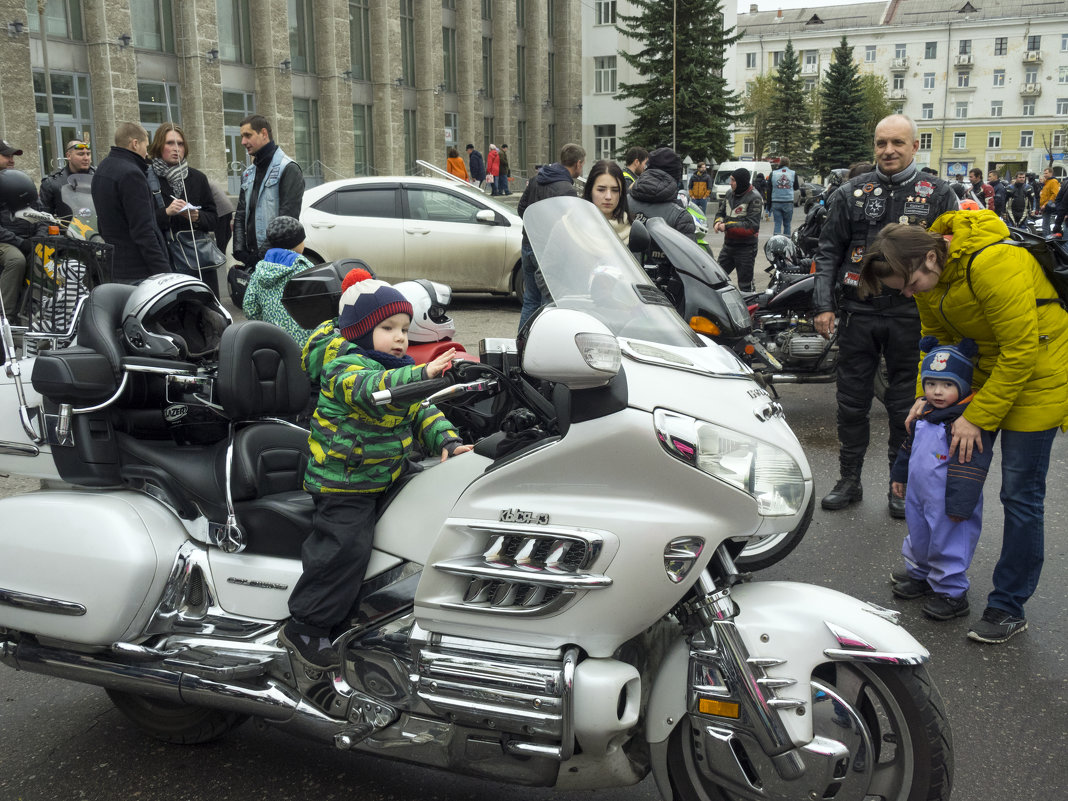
point(79, 147)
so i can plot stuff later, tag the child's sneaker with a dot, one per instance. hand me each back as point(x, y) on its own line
point(315, 652)
point(942, 607)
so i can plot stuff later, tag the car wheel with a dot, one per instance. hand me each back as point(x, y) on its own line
point(518, 281)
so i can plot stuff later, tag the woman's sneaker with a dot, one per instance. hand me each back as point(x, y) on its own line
point(315, 652)
point(942, 607)
point(996, 626)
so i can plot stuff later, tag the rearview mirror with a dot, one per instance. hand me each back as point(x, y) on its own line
point(639, 241)
point(487, 216)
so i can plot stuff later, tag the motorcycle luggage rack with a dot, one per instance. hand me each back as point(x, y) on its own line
point(62, 273)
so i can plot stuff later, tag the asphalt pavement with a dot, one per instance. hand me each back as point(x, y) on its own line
point(1008, 704)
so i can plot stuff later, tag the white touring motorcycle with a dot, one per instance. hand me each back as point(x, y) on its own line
point(559, 607)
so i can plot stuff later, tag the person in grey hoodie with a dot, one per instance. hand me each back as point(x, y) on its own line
point(552, 180)
point(655, 192)
point(283, 259)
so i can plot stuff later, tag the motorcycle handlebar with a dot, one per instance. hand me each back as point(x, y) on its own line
point(409, 393)
point(33, 215)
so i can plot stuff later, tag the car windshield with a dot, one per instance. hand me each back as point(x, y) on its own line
point(587, 268)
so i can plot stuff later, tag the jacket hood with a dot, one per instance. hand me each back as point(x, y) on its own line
point(654, 186)
point(969, 231)
point(278, 265)
point(553, 173)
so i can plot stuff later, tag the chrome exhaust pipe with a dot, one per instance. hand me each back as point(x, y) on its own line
point(274, 702)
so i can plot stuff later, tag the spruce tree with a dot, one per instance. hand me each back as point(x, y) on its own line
point(844, 135)
point(704, 106)
point(789, 129)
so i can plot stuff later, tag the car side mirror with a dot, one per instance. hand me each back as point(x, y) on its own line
point(487, 216)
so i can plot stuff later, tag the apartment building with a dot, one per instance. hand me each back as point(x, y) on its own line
point(352, 87)
point(987, 83)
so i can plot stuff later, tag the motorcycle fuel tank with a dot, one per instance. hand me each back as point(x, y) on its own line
point(83, 567)
point(796, 297)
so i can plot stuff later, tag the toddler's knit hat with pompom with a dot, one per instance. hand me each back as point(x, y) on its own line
point(949, 362)
point(365, 302)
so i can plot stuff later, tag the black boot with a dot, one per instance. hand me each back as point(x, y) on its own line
point(846, 492)
point(896, 506)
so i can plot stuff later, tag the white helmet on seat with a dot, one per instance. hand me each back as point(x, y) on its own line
point(173, 316)
point(429, 299)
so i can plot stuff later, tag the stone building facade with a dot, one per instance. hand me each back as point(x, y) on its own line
point(352, 87)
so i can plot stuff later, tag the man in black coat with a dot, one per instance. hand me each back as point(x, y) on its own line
point(125, 210)
point(79, 162)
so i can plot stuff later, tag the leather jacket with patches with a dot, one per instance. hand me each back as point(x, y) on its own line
point(857, 212)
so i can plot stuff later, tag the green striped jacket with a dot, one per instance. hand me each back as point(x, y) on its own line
point(357, 446)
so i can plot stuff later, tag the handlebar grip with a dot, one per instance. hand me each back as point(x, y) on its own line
point(409, 393)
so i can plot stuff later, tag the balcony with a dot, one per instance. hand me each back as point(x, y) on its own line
point(898, 94)
point(1031, 89)
point(810, 69)
point(899, 64)
point(963, 60)
point(1032, 57)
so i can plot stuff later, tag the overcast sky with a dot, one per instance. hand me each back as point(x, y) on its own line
point(775, 5)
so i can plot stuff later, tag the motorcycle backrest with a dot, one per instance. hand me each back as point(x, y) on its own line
point(101, 321)
point(260, 373)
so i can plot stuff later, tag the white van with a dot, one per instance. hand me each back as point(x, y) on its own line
point(722, 180)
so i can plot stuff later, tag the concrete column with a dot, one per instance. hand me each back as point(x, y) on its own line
point(567, 44)
point(114, 69)
point(537, 69)
point(505, 39)
point(200, 84)
point(469, 71)
point(429, 72)
point(385, 68)
point(274, 88)
point(18, 123)
point(332, 55)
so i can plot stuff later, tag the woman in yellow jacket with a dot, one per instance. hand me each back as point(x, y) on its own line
point(1006, 304)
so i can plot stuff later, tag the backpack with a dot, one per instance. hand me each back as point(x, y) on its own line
point(1051, 255)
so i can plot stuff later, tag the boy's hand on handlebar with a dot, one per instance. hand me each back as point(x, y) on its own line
point(455, 451)
point(440, 364)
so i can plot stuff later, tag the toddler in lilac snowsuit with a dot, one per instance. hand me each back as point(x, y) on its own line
point(944, 497)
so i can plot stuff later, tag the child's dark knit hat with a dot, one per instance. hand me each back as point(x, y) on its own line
point(949, 362)
point(285, 232)
point(365, 302)
point(667, 160)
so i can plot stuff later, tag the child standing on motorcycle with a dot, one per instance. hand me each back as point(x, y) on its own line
point(944, 496)
point(357, 450)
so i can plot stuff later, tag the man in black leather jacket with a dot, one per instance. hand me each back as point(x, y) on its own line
point(885, 326)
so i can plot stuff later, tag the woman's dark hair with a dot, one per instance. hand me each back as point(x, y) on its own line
point(859, 168)
point(622, 213)
point(898, 251)
point(453, 153)
point(155, 149)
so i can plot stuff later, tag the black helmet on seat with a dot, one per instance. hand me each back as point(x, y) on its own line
point(780, 250)
point(173, 316)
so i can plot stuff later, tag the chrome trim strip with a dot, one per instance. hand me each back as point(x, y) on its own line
point(18, 449)
point(847, 639)
point(40, 603)
point(878, 657)
point(475, 567)
point(534, 749)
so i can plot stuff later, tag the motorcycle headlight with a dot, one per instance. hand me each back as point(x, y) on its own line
point(761, 469)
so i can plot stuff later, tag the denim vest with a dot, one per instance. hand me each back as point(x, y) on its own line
point(267, 201)
point(782, 185)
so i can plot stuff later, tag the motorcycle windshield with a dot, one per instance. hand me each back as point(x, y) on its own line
point(77, 194)
point(587, 268)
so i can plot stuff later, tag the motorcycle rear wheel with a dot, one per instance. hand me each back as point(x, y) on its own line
point(172, 722)
point(891, 719)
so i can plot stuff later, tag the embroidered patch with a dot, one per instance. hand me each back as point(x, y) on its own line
point(874, 207)
point(940, 361)
point(857, 255)
point(868, 188)
point(851, 279)
point(917, 209)
point(924, 188)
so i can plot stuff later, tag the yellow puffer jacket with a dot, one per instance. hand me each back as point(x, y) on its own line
point(1021, 378)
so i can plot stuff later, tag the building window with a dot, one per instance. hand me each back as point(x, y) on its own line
point(900, 51)
point(448, 55)
point(452, 128)
point(306, 139)
point(962, 79)
point(553, 150)
point(551, 87)
point(1001, 45)
point(407, 42)
point(925, 141)
point(362, 140)
point(487, 9)
point(899, 82)
point(63, 19)
point(449, 4)
point(999, 77)
point(1031, 76)
point(1027, 138)
point(748, 146)
point(1058, 140)
point(961, 110)
point(869, 53)
point(776, 57)
point(235, 31)
point(928, 80)
point(604, 141)
point(1028, 108)
point(301, 36)
point(927, 111)
point(360, 39)
point(812, 58)
point(487, 65)
point(520, 13)
point(408, 118)
point(605, 12)
point(1062, 75)
point(520, 166)
point(750, 61)
point(1034, 42)
point(153, 25)
point(550, 19)
point(236, 106)
point(993, 140)
point(521, 72)
point(604, 75)
point(1062, 105)
point(1064, 42)
point(960, 140)
point(965, 48)
point(810, 84)
point(487, 133)
point(995, 108)
point(72, 112)
point(930, 50)
point(157, 104)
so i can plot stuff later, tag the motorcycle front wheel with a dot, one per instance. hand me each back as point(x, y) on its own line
point(172, 722)
point(760, 552)
point(890, 720)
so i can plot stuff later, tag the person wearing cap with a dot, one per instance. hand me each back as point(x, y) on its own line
point(7, 154)
point(655, 192)
point(944, 495)
point(738, 219)
point(357, 450)
point(15, 240)
point(283, 259)
point(79, 162)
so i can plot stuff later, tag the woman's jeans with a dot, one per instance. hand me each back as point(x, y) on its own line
point(1024, 464)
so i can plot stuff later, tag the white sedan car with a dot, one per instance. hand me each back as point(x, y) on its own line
point(406, 227)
